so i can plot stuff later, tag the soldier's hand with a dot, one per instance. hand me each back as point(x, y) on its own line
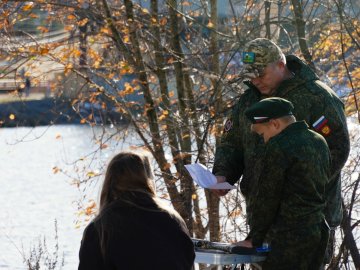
point(220, 192)
point(244, 243)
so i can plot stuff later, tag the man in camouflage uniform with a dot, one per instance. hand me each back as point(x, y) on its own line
point(288, 198)
point(271, 74)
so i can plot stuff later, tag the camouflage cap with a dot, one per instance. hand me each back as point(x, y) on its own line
point(269, 108)
point(257, 54)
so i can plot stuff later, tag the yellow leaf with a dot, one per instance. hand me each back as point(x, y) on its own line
point(83, 121)
point(162, 117)
point(68, 68)
point(97, 64)
point(185, 136)
point(91, 174)
point(153, 20)
point(58, 136)
point(12, 116)
point(210, 24)
point(193, 196)
point(164, 114)
point(126, 39)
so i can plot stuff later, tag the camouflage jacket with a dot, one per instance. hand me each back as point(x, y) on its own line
point(315, 103)
point(290, 186)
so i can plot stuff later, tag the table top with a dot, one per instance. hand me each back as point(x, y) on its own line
point(222, 258)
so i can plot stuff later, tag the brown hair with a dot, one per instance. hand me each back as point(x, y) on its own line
point(126, 172)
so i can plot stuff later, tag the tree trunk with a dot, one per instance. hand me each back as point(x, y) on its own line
point(83, 45)
point(135, 59)
point(267, 19)
point(212, 199)
point(300, 28)
point(185, 138)
point(170, 121)
point(349, 239)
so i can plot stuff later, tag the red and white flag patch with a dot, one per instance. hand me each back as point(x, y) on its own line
point(321, 126)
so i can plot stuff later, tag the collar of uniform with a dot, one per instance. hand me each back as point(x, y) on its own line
point(294, 127)
point(300, 68)
point(285, 87)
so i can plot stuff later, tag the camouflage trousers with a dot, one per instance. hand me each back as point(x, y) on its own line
point(298, 249)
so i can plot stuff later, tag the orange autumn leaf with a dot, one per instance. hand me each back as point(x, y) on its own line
point(166, 166)
point(55, 170)
point(69, 27)
point(235, 213)
point(33, 16)
point(71, 17)
point(44, 50)
point(28, 6)
point(43, 29)
point(83, 22)
point(163, 21)
point(103, 146)
point(106, 30)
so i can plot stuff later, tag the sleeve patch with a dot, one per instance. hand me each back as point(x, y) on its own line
point(321, 126)
point(228, 125)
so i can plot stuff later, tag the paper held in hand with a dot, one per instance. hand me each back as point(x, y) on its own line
point(204, 178)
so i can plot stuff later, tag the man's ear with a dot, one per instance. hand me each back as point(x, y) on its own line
point(276, 123)
point(281, 64)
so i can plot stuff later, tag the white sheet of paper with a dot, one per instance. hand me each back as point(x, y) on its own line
point(204, 178)
point(224, 185)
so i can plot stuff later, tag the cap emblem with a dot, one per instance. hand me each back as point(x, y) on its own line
point(248, 57)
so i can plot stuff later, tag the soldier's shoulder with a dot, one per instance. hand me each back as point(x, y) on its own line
point(318, 87)
point(244, 98)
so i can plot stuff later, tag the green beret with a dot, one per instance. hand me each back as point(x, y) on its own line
point(269, 108)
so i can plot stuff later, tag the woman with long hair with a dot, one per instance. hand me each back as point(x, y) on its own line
point(133, 229)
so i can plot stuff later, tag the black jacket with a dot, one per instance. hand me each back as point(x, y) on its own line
point(144, 237)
